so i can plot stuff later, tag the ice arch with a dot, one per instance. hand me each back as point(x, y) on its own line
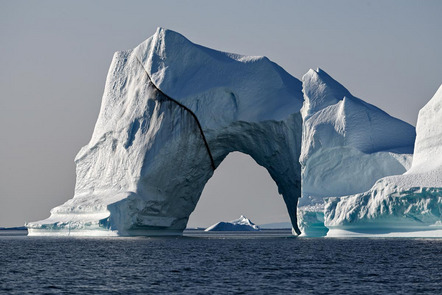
point(151, 153)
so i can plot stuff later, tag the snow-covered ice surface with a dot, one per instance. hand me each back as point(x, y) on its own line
point(347, 145)
point(402, 205)
point(144, 169)
point(240, 224)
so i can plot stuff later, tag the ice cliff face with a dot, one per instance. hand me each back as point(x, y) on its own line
point(428, 149)
point(171, 112)
point(240, 224)
point(409, 203)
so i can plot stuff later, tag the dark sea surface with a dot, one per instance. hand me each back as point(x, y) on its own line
point(266, 263)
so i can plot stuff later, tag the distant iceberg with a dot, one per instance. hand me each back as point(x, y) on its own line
point(240, 224)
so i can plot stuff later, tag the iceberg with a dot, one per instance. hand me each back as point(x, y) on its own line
point(171, 112)
point(240, 224)
point(402, 205)
point(347, 145)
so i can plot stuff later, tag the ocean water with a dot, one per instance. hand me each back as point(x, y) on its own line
point(199, 263)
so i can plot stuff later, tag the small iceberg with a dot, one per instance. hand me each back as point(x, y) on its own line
point(240, 224)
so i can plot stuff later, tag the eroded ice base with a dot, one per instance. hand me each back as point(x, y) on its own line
point(311, 221)
point(384, 211)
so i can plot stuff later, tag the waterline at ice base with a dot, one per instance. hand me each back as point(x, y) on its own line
point(173, 110)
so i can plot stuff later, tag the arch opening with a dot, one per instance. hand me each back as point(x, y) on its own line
point(238, 187)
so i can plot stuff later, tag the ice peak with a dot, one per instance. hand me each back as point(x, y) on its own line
point(164, 31)
point(321, 76)
point(164, 37)
point(320, 91)
point(243, 220)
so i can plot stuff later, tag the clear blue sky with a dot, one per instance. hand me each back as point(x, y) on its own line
point(55, 55)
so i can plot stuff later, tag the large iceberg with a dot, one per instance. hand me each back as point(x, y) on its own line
point(401, 205)
point(347, 145)
point(240, 224)
point(171, 112)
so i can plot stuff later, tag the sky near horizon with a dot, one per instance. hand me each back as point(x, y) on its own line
point(55, 56)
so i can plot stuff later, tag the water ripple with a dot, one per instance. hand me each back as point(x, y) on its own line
point(31, 265)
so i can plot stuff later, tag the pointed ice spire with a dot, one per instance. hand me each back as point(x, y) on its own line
point(320, 90)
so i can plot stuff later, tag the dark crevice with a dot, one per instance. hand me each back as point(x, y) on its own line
point(212, 162)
